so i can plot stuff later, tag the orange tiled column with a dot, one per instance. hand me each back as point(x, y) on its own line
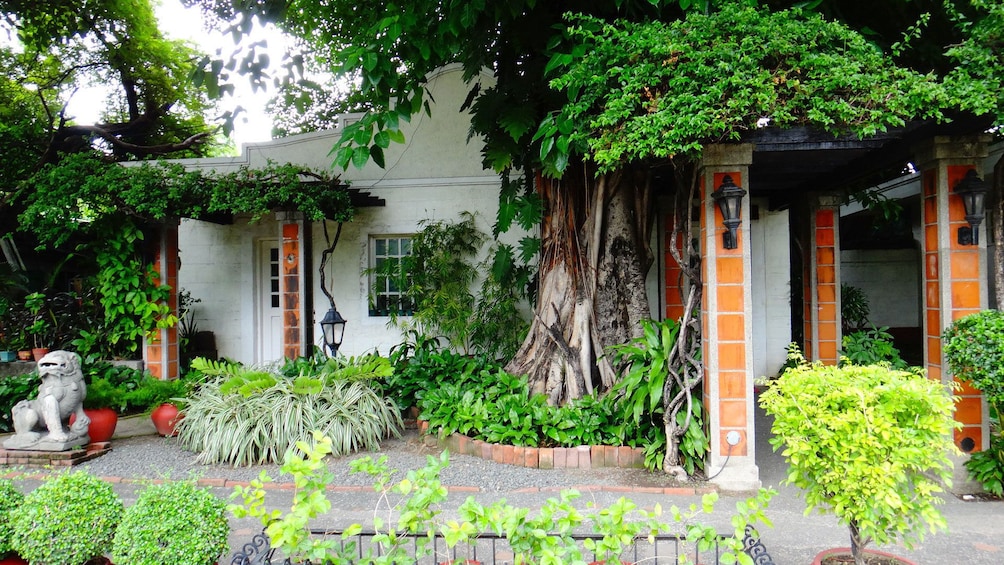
point(160, 352)
point(292, 282)
point(822, 281)
point(674, 274)
point(955, 275)
point(727, 324)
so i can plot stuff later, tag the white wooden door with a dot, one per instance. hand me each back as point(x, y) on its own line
point(269, 302)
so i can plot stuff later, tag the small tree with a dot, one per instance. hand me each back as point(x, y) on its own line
point(869, 444)
point(974, 349)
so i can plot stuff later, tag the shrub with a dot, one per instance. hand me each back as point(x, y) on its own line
point(177, 523)
point(246, 416)
point(987, 467)
point(974, 348)
point(871, 347)
point(868, 443)
point(854, 308)
point(10, 499)
point(14, 389)
point(67, 520)
point(421, 364)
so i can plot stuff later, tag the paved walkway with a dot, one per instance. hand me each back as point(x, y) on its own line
point(975, 535)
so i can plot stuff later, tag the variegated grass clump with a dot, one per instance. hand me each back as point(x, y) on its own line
point(248, 416)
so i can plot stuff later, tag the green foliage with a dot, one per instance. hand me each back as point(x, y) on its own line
point(854, 308)
point(650, 381)
point(870, 444)
point(172, 523)
point(10, 499)
point(987, 467)
point(413, 518)
point(655, 90)
point(974, 348)
point(422, 364)
point(437, 279)
point(247, 416)
point(870, 347)
point(13, 389)
point(69, 519)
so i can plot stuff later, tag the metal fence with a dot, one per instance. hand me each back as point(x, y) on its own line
point(490, 549)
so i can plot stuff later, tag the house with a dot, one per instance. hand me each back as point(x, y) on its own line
point(780, 281)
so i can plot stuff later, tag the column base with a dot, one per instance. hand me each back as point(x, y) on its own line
point(739, 475)
point(961, 483)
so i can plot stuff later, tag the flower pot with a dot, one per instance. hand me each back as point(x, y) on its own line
point(103, 422)
point(12, 559)
point(7, 356)
point(24, 355)
point(842, 555)
point(165, 417)
point(38, 352)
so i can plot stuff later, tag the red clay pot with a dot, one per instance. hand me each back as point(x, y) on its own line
point(38, 352)
point(24, 355)
point(847, 551)
point(103, 422)
point(165, 417)
point(12, 559)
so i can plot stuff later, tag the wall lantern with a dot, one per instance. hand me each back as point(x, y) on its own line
point(333, 326)
point(730, 201)
point(972, 189)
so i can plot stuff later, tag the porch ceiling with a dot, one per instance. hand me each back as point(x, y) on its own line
point(787, 163)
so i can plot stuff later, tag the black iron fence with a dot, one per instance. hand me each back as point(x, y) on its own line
point(490, 549)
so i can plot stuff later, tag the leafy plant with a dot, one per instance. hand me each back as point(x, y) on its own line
point(248, 416)
point(854, 308)
point(10, 499)
point(871, 347)
point(14, 389)
point(69, 519)
point(653, 391)
point(408, 518)
point(172, 523)
point(871, 444)
point(103, 394)
point(423, 363)
point(974, 348)
point(987, 467)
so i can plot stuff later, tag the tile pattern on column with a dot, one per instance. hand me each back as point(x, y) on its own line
point(826, 314)
point(674, 275)
point(291, 324)
point(161, 353)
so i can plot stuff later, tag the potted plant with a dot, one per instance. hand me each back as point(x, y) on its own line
point(166, 397)
point(41, 327)
point(869, 443)
point(177, 523)
point(10, 499)
point(102, 405)
point(69, 519)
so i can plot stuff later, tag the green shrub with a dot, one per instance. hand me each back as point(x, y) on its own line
point(177, 523)
point(10, 499)
point(987, 467)
point(423, 363)
point(246, 416)
point(14, 389)
point(870, 444)
point(854, 308)
point(871, 347)
point(68, 520)
point(974, 348)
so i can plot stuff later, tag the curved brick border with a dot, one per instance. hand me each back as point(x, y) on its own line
point(581, 457)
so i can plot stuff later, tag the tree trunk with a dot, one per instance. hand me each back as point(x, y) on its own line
point(594, 259)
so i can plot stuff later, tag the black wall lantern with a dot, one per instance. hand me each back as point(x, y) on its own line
point(730, 201)
point(333, 327)
point(973, 191)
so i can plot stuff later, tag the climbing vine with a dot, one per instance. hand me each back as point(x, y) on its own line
point(84, 193)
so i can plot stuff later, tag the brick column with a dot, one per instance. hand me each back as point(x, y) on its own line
point(674, 275)
point(822, 281)
point(727, 323)
point(955, 276)
point(292, 284)
point(160, 351)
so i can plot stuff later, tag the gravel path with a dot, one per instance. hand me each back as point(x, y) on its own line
point(156, 457)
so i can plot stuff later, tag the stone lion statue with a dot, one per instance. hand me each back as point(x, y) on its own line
point(43, 423)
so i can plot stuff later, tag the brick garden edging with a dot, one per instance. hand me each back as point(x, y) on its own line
point(581, 457)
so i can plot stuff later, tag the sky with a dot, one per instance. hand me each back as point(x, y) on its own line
point(178, 22)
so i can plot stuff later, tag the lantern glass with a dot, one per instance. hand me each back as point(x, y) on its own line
point(333, 327)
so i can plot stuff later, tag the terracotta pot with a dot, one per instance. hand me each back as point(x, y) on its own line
point(38, 352)
point(12, 559)
point(846, 551)
point(103, 422)
point(24, 355)
point(165, 417)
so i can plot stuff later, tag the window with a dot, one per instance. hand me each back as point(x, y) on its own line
point(389, 276)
